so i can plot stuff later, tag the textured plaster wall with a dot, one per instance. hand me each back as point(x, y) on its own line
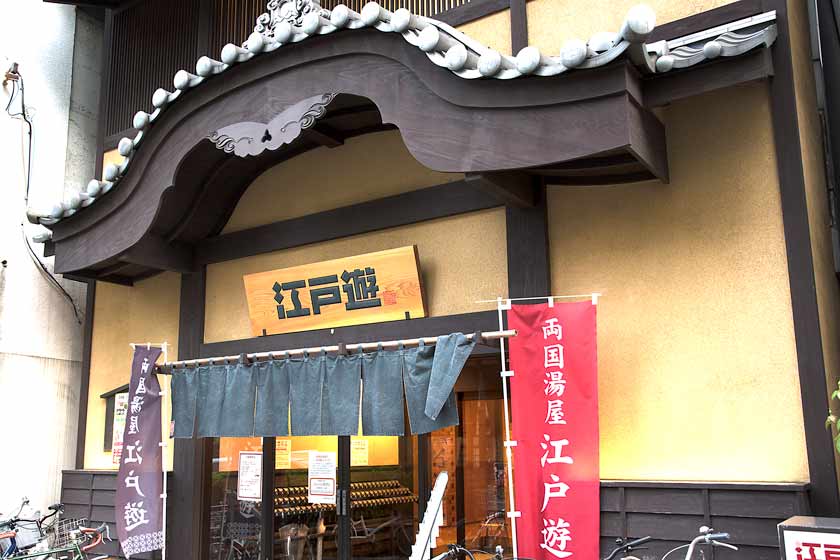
point(462, 259)
point(364, 168)
point(828, 291)
point(551, 23)
point(492, 31)
point(40, 338)
point(697, 365)
point(145, 312)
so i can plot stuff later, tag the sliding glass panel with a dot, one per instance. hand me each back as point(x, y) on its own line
point(304, 530)
point(383, 496)
point(235, 525)
point(473, 453)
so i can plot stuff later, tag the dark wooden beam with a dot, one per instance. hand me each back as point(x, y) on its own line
point(84, 383)
point(710, 76)
point(374, 332)
point(325, 136)
point(155, 252)
point(188, 535)
point(440, 201)
point(529, 273)
point(509, 187)
point(706, 20)
point(471, 11)
point(518, 25)
point(88, 276)
point(823, 491)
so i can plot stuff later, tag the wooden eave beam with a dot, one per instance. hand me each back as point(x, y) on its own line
point(508, 187)
point(710, 76)
point(155, 252)
point(325, 136)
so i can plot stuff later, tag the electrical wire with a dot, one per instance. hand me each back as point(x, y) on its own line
point(42, 268)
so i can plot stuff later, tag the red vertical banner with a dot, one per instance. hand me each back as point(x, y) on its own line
point(554, 421)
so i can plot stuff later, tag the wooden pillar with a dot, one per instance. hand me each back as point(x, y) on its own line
point(527, 249)
point(188, 535)
point(823, 490)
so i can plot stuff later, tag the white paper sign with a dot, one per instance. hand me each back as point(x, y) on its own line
point(359, 454)
point(249, 487)
point(811, 545)
point(322, 477)
point(120, 413)
point(283, 458)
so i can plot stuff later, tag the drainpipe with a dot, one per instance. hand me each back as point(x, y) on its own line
point(824, 24)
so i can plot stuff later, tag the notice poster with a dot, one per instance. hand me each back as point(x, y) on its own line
point(554, 414)
point(359, 454)
point(249, 487)
point(283, 454)
point(322, 477)
point(120, 413)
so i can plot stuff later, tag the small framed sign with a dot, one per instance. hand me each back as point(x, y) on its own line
point(369, 288)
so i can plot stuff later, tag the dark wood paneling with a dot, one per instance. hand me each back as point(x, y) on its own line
point(825, 499)
point(774, 505)
point(664, 526)
point(610, 499)
point(142, 61)
point(84, 383)
point(611, 525)
point(392, 330)
point(403, 209)
point(749, 530)
point(754, 534)
point(665, 500)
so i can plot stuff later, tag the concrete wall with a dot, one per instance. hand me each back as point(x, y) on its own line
point(698, 377)
point(40, 337)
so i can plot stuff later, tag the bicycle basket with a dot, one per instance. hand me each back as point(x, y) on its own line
point(65, 528)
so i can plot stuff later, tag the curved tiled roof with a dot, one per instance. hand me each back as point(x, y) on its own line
point(444, 46)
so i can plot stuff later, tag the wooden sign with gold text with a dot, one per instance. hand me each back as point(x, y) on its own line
point(371, 288)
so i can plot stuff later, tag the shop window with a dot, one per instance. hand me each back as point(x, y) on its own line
point(111, 398)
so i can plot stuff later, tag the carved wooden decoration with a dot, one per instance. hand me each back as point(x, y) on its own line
point(251, 139)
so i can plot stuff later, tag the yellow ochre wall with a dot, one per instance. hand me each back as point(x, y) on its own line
point(462, 258)
point(552, 23)
point(145, 312)
point(364, 168)
point(697, 365)
point(810, 135)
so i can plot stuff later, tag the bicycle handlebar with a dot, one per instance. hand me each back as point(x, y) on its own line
point(627, 546)
point(718, 537)
point(637, 542)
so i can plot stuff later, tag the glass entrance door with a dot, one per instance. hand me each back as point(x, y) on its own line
point(474, 506)
point(308, 526)
point(384, 505)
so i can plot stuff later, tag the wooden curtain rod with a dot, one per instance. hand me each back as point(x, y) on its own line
point(341, 348)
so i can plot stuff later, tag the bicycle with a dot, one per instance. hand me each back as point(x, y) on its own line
point(706, 536)
point(23, 534)
point(81, 541)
